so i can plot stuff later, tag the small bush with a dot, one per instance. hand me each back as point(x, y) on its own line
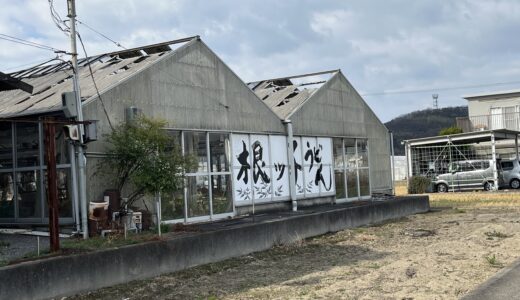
point(418, 185)
point(450, 130)
point(492, 261)
point(496, 234)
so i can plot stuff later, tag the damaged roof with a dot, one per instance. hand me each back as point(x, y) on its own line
point(285, 95)
point(49, 81)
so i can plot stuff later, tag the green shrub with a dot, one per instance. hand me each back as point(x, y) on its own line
point(418, 185)
point(450, 130)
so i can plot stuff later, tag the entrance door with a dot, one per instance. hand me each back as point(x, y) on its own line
point(208, 192)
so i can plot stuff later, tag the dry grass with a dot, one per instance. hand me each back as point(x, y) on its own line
point(467, 199)
point(394, 260)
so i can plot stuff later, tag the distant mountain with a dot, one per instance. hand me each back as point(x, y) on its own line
point(423, 123)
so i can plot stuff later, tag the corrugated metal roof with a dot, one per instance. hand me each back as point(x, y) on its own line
point(492, 94)
point(50, 81)
point(287, 94)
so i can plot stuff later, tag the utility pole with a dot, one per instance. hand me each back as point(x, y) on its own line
point(82, 161)
point(52, 186)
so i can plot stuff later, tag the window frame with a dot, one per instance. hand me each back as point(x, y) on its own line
point(356, 168)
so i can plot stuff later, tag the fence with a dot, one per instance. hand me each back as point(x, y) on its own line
point(509, 121)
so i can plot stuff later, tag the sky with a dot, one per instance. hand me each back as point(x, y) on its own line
point(396, 53)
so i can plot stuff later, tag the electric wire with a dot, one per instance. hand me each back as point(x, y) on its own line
point(438, 89)
point(101, 34)
point(38, 62)
point(58, 21)
point(94, 81)
point(29, 43)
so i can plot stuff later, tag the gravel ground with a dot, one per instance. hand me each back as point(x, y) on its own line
point(438, 255)
point(14, 246)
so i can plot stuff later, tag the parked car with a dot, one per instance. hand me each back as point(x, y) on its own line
point(468, 175)
point(511, 173)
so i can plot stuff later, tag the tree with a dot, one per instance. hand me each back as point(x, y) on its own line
point(450, 130)
point(143, 159)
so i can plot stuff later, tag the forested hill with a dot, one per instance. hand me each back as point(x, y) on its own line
point(423, 123)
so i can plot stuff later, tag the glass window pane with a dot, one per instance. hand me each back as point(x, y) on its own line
point(364, 186)
point(362, 147)
point(62, 148)
point(195, 144)
point(6, 195)
point(6, 145)
point(338, 153)
point(219, 152)
point(28, 187)
point(352, 188)
point(172, 205)
point(350, 153)
point(27, 144)
point(221, 192)
point(198, 196)
point(176, 137)
point(64, 193)
point(340, 184)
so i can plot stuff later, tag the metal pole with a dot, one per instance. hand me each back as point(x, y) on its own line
point(516, 146)
point(158, 208)
point(408, 164)
point(392, 161)
point(74, 179)
point(82, 161)
point(52, 185)
point(290, 159)
point(449, 150)
point(494, 157)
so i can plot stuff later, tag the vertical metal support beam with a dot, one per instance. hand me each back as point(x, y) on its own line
point(210, 182)
point(159, 211)
point(494, 158)
point(516, 147)
point(449, 164)
point(392, 161)
point(52, 184)
point(290, 159)
point(408, 164)
point(74, 179)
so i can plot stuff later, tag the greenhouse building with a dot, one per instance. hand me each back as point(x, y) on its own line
point(274, 144)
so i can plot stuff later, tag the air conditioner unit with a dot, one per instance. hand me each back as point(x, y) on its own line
point(68, 101)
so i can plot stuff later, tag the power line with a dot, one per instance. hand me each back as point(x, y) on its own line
point(58, 21)
point(439, 89)
point(29, 43)
point(38, 62)
point(101, 34)
point(94, 81)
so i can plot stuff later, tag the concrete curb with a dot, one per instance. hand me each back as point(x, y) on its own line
point(503, 285)
point(69, 275)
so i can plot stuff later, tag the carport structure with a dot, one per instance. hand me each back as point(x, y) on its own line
point(431, 156)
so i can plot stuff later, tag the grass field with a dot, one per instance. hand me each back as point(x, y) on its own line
point(464, 199)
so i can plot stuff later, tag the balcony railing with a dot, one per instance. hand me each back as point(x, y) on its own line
point(509, 121)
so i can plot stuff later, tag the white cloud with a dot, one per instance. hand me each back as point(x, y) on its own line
point(379, 45)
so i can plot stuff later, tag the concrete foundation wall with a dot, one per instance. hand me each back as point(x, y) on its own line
point(61, 276)
point(283, 205)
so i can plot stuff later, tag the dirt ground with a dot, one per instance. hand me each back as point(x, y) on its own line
point(438, 255)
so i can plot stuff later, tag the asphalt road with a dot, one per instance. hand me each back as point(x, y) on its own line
point(503, 285)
